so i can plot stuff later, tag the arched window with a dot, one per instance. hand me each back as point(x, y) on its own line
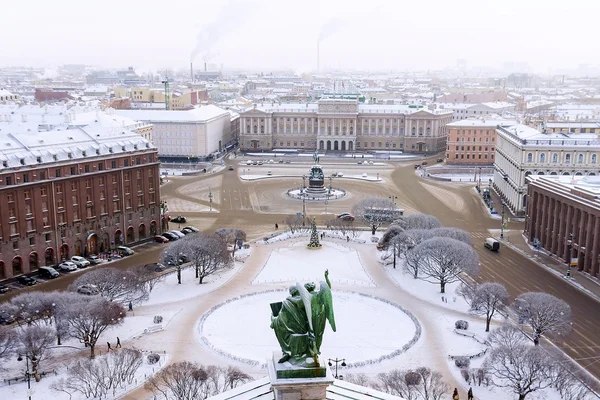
point(567, 159)
point(248, 128)
point(413, 131)
point(594, 158)
point(428, 131)
point(420, 131)
point(255, 129)
point(580, 159)
point(529, 157)
point(543, 158)
point(555, 158)
point(262, 129)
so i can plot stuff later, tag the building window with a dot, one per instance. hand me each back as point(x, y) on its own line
point(57, 173)
point(529, 157)
point(567, 159)
point(580, 159)
point(86, 168)
point(554, 158)
point(543, 158)
point(594, 159)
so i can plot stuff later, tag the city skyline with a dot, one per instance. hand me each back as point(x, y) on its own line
point(255, 34)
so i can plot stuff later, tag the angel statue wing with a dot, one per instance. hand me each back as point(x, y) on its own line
point(326, 300)
point(306, 300)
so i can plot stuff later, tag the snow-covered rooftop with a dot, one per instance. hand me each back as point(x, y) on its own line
point(197, 115)
point(481, 123)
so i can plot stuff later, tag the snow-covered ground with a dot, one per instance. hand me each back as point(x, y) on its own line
point(463, 177)
point(381, 330)
point(365, 177)
point(298, 263)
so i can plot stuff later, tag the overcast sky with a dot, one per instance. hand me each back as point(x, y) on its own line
point(376, 34)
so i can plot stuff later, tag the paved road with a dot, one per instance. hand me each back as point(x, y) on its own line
point(257, 205)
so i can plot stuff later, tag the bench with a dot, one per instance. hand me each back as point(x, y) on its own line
point(153, 328)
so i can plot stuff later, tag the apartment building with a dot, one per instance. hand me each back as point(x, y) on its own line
point(75, 191)
point(522, 151)
point(472, 141)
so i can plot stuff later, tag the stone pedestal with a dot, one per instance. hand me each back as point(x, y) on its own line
point(291, 382)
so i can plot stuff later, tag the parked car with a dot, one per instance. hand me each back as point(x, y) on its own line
point(288, 162)
point(424, 163)
point(491, 244)
point(170, 236)
point(230, 168)
point(269, 172)
point(3, 289)
point(280, 161)
point(248, 162)
point(192, 228)
point(178, 219)
point(88, 289)
point(182, 260)
point(417, 166)
point(340, 175)
point(94, 259)
point(187, 231)
point(439, 160)
point(48, 272)
point(6, 318)
point(254, 162)
point(260, 163)
point(346, 216)
point(80, 262)
point(26, 280)
point(157, 267)
point(177, 233)
point(160, 239)
point(67, 266)
point(124, 251)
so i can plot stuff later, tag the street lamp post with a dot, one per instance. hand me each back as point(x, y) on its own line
point(178, 268)
point(479, 184)
point(210, 197)
point(569, 249)
point(303, 198)
point(27, 373)
point(341, 361)
point(502, 226)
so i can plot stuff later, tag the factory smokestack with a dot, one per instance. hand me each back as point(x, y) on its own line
point(204, 66)
point(318, 56)
point(192, 72)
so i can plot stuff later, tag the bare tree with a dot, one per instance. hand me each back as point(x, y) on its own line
point(207, 253)
point(507, 335)
point(407, 241)
point(443, 259)
point(488, 298)
point(343, 226)
point(235, 377)
point(522, 368)
point(419, 221)
point(295, 223)
point(454, 233)
point(148, 275)
point(360, 379)
point(122, 286)
point(568, 386)
point(231, 236)
point(432, 385)
point(375, 211)
point(546, 314)
point(33, 342)
point(89, 318)
point(34, 308)
point(399, 383)
point(180, 381)
point(8, 342)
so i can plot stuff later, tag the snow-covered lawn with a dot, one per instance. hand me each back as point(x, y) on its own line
point(426, 291)
point(298, 263)
point(367, 328)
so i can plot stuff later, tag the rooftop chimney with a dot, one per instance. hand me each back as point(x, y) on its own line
point(192, 72)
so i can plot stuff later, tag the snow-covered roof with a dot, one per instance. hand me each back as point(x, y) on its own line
point(481, 123)
point(338, 390)
point(498, 104)
point(195, 115)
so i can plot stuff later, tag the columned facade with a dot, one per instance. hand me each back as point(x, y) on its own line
point(559, 207)
point(343, 125)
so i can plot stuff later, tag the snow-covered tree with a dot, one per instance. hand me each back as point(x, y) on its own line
point(118, 285)
point(546, 314)
point(488, 298)
point(231, 236)
point(343, 226)
point(419, 221)
point(441, 260)
point(432, 386)
point(34, 342)
point(207, 253)
point(507, 335)
point(395, 382)
point(454, 233)
point(8, 341)
point(522, 368)
point(295, 223)
point(89, 318)
point(375, 211)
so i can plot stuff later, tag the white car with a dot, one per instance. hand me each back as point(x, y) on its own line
point(80, 262)
point(67, 266)
point(177, 233)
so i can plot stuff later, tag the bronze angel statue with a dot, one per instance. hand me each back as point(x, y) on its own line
point(299, 321)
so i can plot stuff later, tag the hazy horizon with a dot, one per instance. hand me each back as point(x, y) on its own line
point(269, 34)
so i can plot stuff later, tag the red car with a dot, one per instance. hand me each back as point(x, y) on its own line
point(160, 239)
